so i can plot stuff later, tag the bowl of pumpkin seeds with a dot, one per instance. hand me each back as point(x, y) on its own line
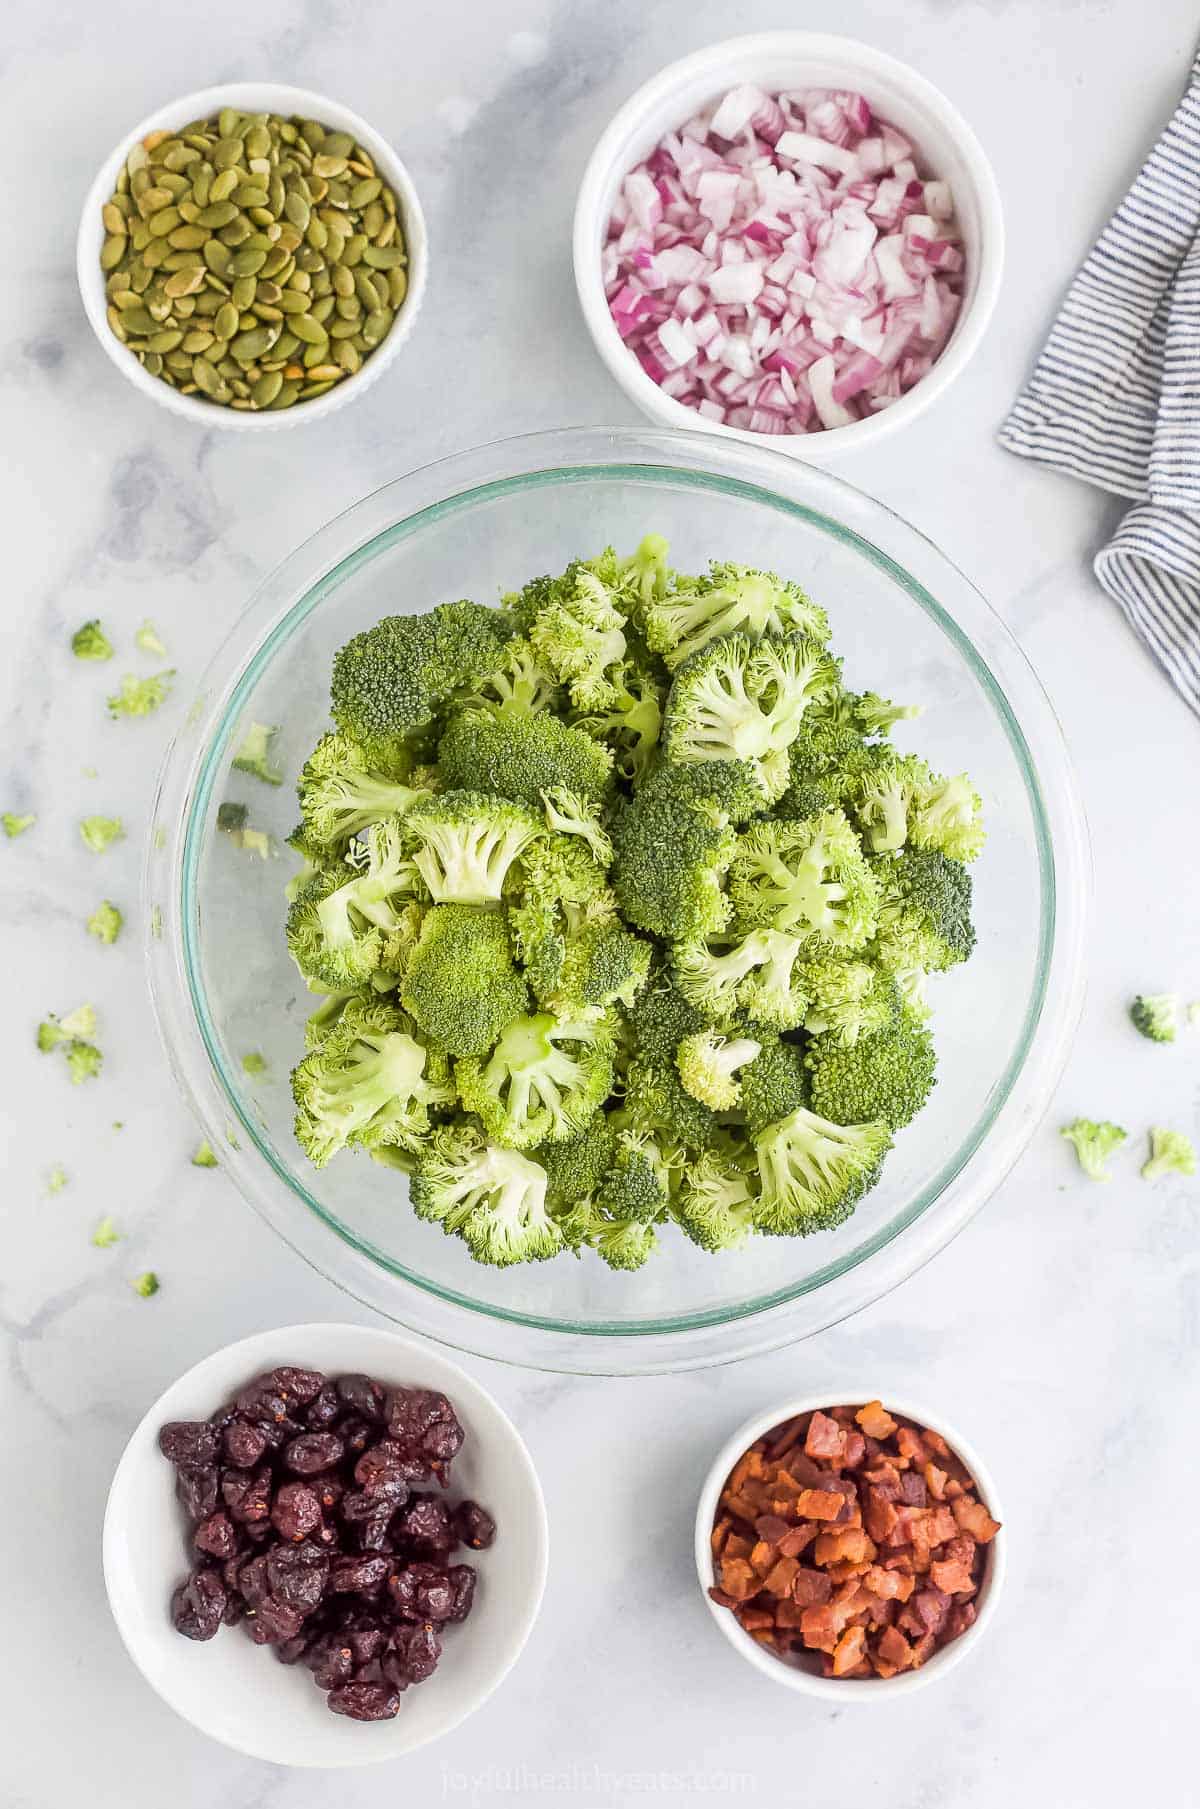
point(252, 255)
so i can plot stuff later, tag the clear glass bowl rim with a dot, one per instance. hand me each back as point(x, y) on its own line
point(286, 598)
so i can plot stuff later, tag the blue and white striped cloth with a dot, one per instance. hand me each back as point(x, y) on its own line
point(1115, 396)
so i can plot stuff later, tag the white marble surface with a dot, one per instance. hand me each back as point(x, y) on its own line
point(1062, 1327)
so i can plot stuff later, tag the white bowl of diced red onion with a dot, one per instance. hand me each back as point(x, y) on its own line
point(789, 236)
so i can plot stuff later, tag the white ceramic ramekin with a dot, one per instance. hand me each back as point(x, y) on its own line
point(849, 1689)
point(254, 97)
point(780, 60)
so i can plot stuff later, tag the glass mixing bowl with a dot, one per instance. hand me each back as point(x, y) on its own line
point(907, 624)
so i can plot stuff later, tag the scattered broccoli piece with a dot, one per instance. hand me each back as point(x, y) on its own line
point(140, 696)
point(100, 832)
point(741, 699)
point(57, 1179)
point(389, 681)
point(708, 1065)
point(253, 841)
point(924, 910)
point(462, 986)
point(543, 1081)
point(150, 641)
point(774, 1085)
point(494, 1199)
point(84, 1061)
point(760, 975)
point(810, 877)
point(15, 825)
point(888, 1076)
point(203, 1156)
point(1171, 1152)
point(575, 1166)
point(105, 1235)
point(54, 1031)
point(1156, 1015)
point(365, 1085)
point(519, 756)
point(253, 755)
point(146, 1284)
point(105, 922)
point(1093, 1142)
point(732, 599)
point(232, 817)
point(464, 844)
point(812, 1172)
point(713, 1204)
point(579, 635)
point(91, 643)
point(254, 1063)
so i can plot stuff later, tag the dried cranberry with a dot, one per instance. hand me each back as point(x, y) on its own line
point(217, 1536)
point(331, 1661)
point(366, 1643)
point(328, 1490)
point(462, 1581)
point(324, 1409)
point(375, 1534)
point(474, 1525)
point(356, 1433)
point(244, 1443)
point(358, 1575)
point(252, 1581)
point(248, 1497)
point(364, 1396)
point(412, 1655)
point(365, 1701)
point(303, 1385)
point(272, 1622)
point(295, 1511)
point(380, 1475)
point(425, 1524)
point(234, 1611)
point(313, 1452)
point(291, 1651)
point(197, 1490)
point(198, 1604)
point(263, 1402)
point(298, 1575)
point(425, 1423)
point(191, 1442)
point(422, 1592)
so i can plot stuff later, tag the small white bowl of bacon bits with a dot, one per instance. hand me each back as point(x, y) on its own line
point(850, 1551)
point(788, 236)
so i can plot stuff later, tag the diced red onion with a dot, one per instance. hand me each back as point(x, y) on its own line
point(782, 265)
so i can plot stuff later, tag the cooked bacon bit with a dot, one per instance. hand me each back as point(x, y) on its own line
point(892, 1542)
point(825, 1439)
point(850, 1651)
point(974, 1518)
point(819, 1504)
point(875, 1420)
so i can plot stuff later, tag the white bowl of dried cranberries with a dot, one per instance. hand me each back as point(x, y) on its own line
point(352, 1503)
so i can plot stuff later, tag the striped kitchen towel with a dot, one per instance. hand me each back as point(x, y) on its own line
point(1115, 395)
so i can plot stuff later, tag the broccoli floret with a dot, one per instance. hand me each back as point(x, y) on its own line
point(54, 1031)
point(253, 755)
point(741, 699)
point(569, 814)
point(520, 756)
point(889, 1076)
point(57, 1179)
point(812, 1173)
point(389, 681)
point(1156, 1015)
point(15, 825)
point(91, 643)
point(254, 1063)
point(575, 1166)
point(713, 1204)
point(947, 816)
point(493, 1198)
point(673, 842)
point(140, 696)
point(623, 1243)
point(924, 911)
point(84, 1061)
point(341, 929)
point(365, 1085)
point(809, 877)
point(882, 798)
point(1170, 1153)
point(203, 1156)
point(519, 685)
point(637, 1185)
point(774, 1085)
point(875, 715)
point(544, 1079)
point(656, 1100)
point(464, 843)
point(340, 796)
point(105, 922)
point(849, 1000)
point(147, 1284)
point(150, 641)
point(579, 635)
point(1094, 1142)
point(601, 963)
point(758, 975)
point(461, 985)
point(232, 817)
point(106, 1235)
point(733, 599)
point(708, 1065)
point(333, 1002)
point(632, 724)
point(99, 833)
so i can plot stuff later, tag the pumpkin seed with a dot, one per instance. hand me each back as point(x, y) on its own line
point(265, 388)
point(309, 330)
point(113, 250)
point(184, 282)
point(114, 219)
